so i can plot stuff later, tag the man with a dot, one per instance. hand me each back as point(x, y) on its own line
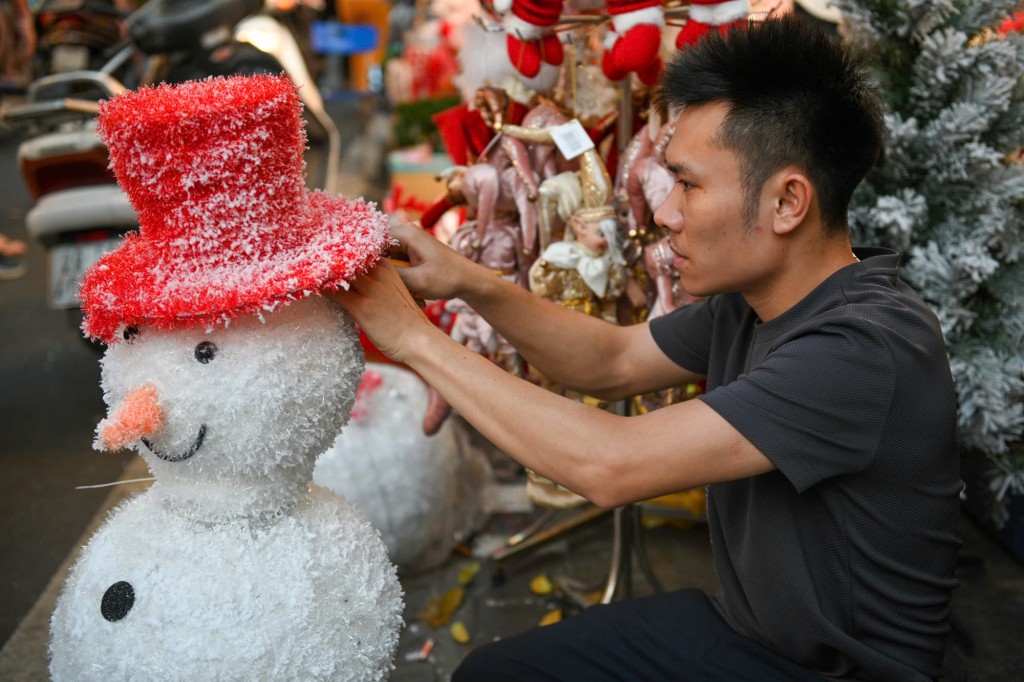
point(826, 435)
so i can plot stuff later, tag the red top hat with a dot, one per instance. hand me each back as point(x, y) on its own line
point(226, 226)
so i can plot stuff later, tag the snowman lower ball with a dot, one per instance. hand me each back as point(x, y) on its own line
point(229, 374)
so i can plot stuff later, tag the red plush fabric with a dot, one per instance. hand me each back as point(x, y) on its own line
point(695, 29)
point(464, 132)
point(538, 12)
point(226, 227)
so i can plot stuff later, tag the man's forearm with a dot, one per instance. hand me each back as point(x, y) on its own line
point(564, 345)
point(556, 437)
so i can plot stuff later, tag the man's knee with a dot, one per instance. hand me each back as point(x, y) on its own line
point(481, 664)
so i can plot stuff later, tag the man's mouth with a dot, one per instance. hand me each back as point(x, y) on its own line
point(192, 450)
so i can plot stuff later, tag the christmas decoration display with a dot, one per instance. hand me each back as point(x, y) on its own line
point(423, 493)
point(712, 15)
point(950, 194)
point(585, 271)
point(642, 181)
point(529, 33)
point(229, 377)
point(633, 40)
point(533, 142)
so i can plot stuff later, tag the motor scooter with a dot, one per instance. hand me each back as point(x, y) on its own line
point(75, 35)
point(80, 213)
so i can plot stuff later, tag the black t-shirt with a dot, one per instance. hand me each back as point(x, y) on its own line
point(842, 558)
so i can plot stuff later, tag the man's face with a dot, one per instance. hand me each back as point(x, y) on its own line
point(718, 251)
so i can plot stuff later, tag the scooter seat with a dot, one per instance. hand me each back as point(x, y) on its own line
point(171, 25)
point(81, 209)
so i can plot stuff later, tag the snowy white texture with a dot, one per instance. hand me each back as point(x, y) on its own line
point(423, 493)
point(991, 415)
point(273, 396)
point(307, 596)
point(895, 218)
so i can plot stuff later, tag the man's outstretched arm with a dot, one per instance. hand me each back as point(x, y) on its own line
point(573, 349)
point(608, 459)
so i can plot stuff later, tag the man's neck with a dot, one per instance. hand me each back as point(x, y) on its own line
point(803, 272)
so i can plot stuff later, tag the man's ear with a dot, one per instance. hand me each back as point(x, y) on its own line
point(792, 196)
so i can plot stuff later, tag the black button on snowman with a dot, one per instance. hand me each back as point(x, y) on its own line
point(228, 373)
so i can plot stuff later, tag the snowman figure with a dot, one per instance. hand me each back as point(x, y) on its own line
point(228, 374)
point(425, 494)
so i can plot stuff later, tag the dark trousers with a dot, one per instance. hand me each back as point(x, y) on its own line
point(673, 636)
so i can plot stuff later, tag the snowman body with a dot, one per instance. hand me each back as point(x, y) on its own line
point(423, 493)
point(232, 566)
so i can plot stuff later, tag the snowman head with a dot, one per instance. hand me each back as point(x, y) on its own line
point(245, 407)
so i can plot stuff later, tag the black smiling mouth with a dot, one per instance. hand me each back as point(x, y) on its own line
point(193, 449)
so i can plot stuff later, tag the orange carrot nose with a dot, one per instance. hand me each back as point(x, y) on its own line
point(137, 416)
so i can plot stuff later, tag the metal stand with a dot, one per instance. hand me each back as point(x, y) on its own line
point(627, 544)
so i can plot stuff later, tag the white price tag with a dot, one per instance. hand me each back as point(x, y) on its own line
point(571, 139)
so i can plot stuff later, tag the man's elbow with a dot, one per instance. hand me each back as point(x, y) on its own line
point(605, 499)
point(602, 487)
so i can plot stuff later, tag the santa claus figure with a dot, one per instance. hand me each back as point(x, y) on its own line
point(712, 15)
point(530, 37)
point(632, 41)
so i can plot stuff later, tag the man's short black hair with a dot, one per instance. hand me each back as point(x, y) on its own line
point(796, 96)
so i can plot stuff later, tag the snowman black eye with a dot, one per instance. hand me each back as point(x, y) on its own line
point(205, 351)
point(130, 333)
point(117, 601)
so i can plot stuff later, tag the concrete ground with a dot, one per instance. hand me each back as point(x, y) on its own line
point(50, 402)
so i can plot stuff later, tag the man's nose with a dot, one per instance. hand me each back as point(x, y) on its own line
point(668, 214)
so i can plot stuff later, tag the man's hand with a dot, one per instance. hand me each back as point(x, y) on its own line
point(383, 308)
point(435, 270)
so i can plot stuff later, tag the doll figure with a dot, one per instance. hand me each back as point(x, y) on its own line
point(500, 249)
point(585, 271)
point(668, 293)
point(590, 187)
point(642, 182)
point(545, 161)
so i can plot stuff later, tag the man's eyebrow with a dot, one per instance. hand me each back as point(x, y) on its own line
point(675, 168)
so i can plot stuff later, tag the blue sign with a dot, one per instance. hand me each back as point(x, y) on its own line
point(332, 37)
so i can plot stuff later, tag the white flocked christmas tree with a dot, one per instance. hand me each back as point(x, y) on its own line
point(949, 194)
